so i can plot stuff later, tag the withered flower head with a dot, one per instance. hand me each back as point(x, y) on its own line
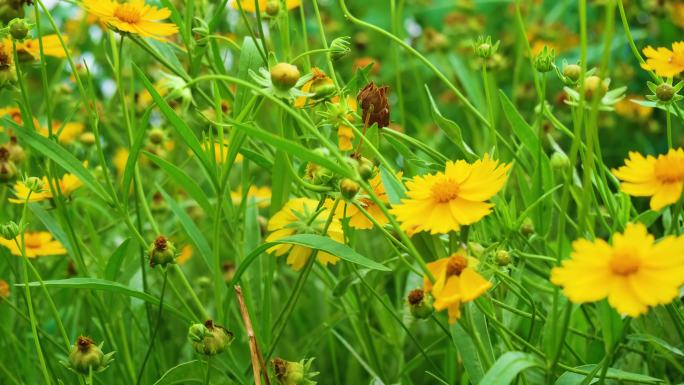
point(374, 105)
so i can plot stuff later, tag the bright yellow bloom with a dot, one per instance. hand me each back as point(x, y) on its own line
point(4, 289)
point(628, 108)
point(185, 255)
point(456, 281)
point(634, 272)
point(248, 5)
point(221, 152)
point(357, 219)
point(445, 201)
point(67, 185)
point(133, 17)
point(38, 244)
point(294, 218)
point(660, 178)
point(663, 61)
point(51, 47)
point(68, 133)
point(318, 78)
point(262, 196)
point(120, 159)
point(345, 134)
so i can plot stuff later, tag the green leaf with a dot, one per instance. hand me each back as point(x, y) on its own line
point(508, 366)
point(395, 190)
point(186, 373)
point(133, 156)
point(313, 241)
point(466, 348)
point(179, 125)
point(191, 229)
point(450, 128)
point(522, 130)
point(572, 378)
point(62, 157)
point(181, 177)
point(250, 59)
point(114, 263)
point(105, 285)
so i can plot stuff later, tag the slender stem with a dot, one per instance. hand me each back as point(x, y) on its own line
point(156, 329)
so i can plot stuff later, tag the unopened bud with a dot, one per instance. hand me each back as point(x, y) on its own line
point(87, 138)
point(339, 48)
point(572, 72)
point(293, 373)
point(272, 8)
point(85, 357)
point(560, 161)
point(366, 169)
point(9, 230)
point(34, 184)
point(420, 303)
point(209, 339)
point(162, 252)
point(502, 258)
point(543, 62)
point(594, 85)
point(157, 136)
point(665, 92)
point(284, 76)
point(349, 188)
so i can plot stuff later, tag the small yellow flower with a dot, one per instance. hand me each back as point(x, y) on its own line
point(296, 217)
point(133, 17)
point(318, 77)
point(628, 108)
point(357, 219)
point(221, 152)
point(664, 62)
point(4, 289)
point(660, 178)
point(262, 196)
point(634, 273)
point(185, 255)
point(120, 159)
point(68, 133)
point(67, 185)
point(37, 244)
point(345, 134)
point(51, 47)
point(456, 281)
point(445, 201)
point(248, 5)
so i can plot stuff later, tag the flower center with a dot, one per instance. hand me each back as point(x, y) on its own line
point(669, 170)
point(33, 242)
point(127, 13)
point(445, 190)
point(456, 264)
point(625, 263)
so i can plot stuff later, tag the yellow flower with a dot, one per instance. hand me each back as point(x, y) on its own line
point(185, 255)
point(677, 13)
point(133, 17)
point(248, 5)
point(4, 289)
point(633, 273)
point(67, 185)
point(37, 244)
point(68, 132)
point(663, 61)
point(51, 47)
point(345, 134)
point(262, 196)
point(318, 77)
point(456, 282)
point(296, 218)
point(660, 178)
point(221, 152)
point(357, 219)
point(628, 108)
point(120, 159)
point(445, 201)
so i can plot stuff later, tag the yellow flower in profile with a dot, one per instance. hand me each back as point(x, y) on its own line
point(345, 134)
point(660, 178)
point(120, 159)
point(248, 5)
point(133, 17)
point(221, 152)
point(634, 273)
point(4, 289)
point(68, 132)
point(445, 201)
point(664, 62)
point(297, 217)
point(318, 78)
point(51, 47)
point(630, 109)
point(37, 244)
point(357, 219)
point(67, 185)
point(261, 195)
point(185, 255)
point(456, 281)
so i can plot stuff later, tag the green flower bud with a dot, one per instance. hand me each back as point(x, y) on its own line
point(9, 230)
point(543, 62)
point(209, 339)
point(284, 76)
point(475, 249)
point(293, 373)
point(366, 169)
point(16, 152)
point(594, 85)
point(34, 184)
point(572, 72)
point(272, 8)
point(484, 48)
point(323, 88)
point(502, 258)
point(349, 188)
point(86, 356)
point(665, 92)
point(18, 29)
point(527, 227)
point(157, 136)
point(340, 47)
point(87, 138)
point(420, 304)
point(560, 161)
point(162, 252)
point(322, 176)
point(8, 170)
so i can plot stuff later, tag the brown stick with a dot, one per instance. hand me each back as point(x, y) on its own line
point(258, 365)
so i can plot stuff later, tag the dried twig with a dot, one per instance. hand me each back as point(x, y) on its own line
point(258, 365)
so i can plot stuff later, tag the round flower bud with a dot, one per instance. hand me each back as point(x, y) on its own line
point(161, 252)
point(284, 76)
point(8, 170)
point(572, 72)
point(544, 61)
point(272, 8)
point(475, 249)
point(594, 85)
point(349, 188)
point(86, 356)
point(420, 304)
point(322, 176)
point(34, 184)
point(502, 258)
point(560, 161)
point(18, 29)
point(339, 48)
point(16, 152)
point(9, 230)
point(366, 169)
point(209, 339)
point(87, 138)
point(665, 92)
point(157, 136)
point(527, 227)
point(293, 373)
point(323, 88)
